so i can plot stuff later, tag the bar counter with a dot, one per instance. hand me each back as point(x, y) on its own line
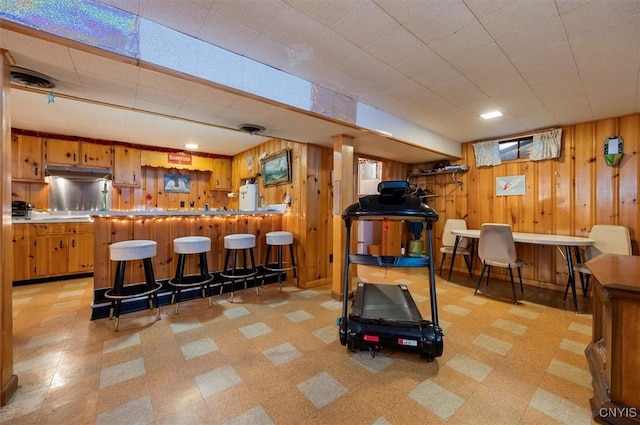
point(163, 227)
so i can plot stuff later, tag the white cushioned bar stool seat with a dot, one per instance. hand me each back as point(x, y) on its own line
point(184, 246)
point(131, 250)
point(235, 243)
point(279, 239)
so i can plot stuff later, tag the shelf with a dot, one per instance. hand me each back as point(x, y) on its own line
point(437, 173)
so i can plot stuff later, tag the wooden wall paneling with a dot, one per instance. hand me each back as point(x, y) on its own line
point(629, 129)
point(606, 177)
point(102, 262)
point(120, 230)
point(542, 186)
point(584, 177)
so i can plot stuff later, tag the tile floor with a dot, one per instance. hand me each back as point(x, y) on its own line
point(276, 359)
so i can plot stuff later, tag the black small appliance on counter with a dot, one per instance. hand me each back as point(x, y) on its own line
point(21, 209)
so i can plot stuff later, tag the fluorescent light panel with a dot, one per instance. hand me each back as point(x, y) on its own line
point(490, 115)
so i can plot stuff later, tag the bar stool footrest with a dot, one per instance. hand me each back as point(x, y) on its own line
point(191, 281)
point(132, 291)
point(238, 273)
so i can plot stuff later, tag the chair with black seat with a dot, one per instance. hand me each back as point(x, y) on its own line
point(496, 248)
point(448, 242)
point(609, 239)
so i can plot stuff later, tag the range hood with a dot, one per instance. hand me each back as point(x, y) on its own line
point(77, 173)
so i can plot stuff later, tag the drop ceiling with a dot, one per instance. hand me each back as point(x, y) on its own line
point(437, 64)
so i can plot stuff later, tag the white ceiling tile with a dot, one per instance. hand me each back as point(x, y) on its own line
point(365, 24)
point(460, 92)
point(291, 27)
point(160, 96)
point(598, 14)
point(131, 6)
point(273, 53)
point(90, 66)
point(520, 15)
point(466, 41)
point(253, 14)
point(159, 108)
point(408, 10)
point(222, 32)
point(482, 8)
point(427, 68)
point(326, 12)
point(184, 16)
point(537, 37)
point(621, 40)
point(486, 57)
point(439, 20)
point(395, 46)
point(164, 82)
point(547, 64)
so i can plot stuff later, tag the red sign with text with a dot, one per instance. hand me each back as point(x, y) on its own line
point(179, 158)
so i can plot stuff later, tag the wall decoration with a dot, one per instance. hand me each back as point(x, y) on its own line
point(276, 168)
point(177, 183)
point(510, 185)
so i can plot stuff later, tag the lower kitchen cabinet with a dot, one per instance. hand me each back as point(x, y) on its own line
point(53, 249)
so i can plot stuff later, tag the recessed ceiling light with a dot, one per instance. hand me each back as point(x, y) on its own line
point(191, 146)
point(492, 114)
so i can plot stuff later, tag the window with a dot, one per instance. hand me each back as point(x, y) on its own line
point(515, 148)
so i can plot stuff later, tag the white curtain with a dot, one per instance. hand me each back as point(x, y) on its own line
point(546, 145)
point(487, 153)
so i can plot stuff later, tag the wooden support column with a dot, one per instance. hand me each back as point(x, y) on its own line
point(343, 196)
point(9, 383)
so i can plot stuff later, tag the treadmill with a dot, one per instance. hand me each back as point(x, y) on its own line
point(385, 315)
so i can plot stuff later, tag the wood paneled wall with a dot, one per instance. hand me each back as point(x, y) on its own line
point(565, 196)
point(308, 217)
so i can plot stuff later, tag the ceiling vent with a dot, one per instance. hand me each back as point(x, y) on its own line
point(251, 128)
point(28, 78)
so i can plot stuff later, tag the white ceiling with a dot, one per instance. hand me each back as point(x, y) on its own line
point(435, 63)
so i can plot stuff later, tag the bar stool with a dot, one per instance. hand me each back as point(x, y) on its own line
point(280, 239)
point(244, 242)
point(184, 246)
point(131, 250)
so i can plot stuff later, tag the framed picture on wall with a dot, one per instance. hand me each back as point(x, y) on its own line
point(276, 168)
point(177, 183)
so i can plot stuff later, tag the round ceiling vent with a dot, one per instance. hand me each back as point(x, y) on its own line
point(251, 128)
point(29, 78)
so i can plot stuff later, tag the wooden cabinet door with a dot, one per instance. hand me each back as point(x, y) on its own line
point(220, 174)
point(51, 255)
point(81, 253)
point(95, 155)
point(64, 152)
point(21, 245)
point(26, 158)
point(126, 166)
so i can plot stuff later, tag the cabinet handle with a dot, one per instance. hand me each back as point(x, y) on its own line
point(73, 243)
point(36, 171)
point(134, 177)
point(60, 244)
point(74, 157)
point(85, 157)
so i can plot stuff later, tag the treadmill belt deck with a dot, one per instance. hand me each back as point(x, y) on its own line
point(388, 302)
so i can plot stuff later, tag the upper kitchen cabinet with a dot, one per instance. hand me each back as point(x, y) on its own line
point(26, 158)
point(126, 166)
point(63, 152)
point(75, 153)
point(96, 155)
point(221, 175)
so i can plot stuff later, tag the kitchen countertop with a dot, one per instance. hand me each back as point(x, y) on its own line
point(88, 216)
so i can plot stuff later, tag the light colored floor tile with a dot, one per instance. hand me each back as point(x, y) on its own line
point(559, 408)
point(523, 312)
point(198, 348)
point(580, 328)
point(382, 421)
point(217, 380)
point(475, 300)
point(327, 334)
point(308, 293)
point(236, 312)
point(47, 339)
point(570, 373)
point(492, 344)
point(121, 372)
point(573, 346)
point(283, 353)
point(276, 302)
point(257, 416)
point(71, 294)
point(332, 305)
point(372, 364)
point(136, 412)
point(35, 364)
point(119, 343)
point(255, 330)
point(510, 326)
point(469, 367)
point(456, 309)
point(322, 389)
point(298, 316)
point(439, 401)
point(23, 403)
point(184, 326)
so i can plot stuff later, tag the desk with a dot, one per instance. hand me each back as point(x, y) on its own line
point(612, 354)
point(541, 239)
